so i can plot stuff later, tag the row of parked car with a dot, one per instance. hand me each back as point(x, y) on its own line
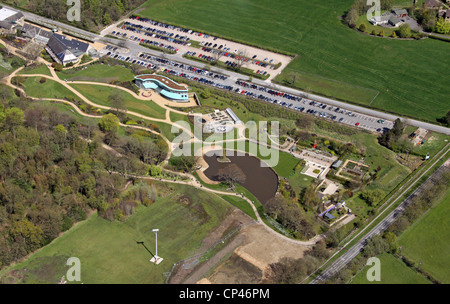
point(186, 67)
point(155, 33)
point(172, 27)
point(267, 90)
point(132, 60)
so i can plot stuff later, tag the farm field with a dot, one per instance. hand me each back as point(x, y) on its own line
point(393, 271)
point(108, 251)
point(426, 241)
point(404, 77)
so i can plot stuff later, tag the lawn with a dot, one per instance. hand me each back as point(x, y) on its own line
point(100, 95)
point(108, 250)
point(408, 74)
point(98, 73)
point(48, 89)
point(38, 69)
point(392, 271)
point(426, 241)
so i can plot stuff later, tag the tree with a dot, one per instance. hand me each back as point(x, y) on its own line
point(232, 174)
point(109, 123)
point(442, 26)
point(362, 27)
point(241, 59)
point(117, 103)
point(155, 170)
point(351, 17)
point(404, 31)
point(381, 34)
point(372, 197)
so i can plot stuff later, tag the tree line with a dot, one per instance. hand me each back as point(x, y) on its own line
point(94, 13)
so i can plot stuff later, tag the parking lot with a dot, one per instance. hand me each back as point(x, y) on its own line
point(266, 94)
point(183, 41)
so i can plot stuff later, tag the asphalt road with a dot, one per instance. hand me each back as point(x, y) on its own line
point(347, 257)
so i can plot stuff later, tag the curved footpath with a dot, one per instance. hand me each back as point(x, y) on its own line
point(193, 182)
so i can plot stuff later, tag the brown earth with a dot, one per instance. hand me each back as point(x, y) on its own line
point(244, 259)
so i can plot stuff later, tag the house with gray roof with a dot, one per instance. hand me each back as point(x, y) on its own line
point(10, 19)
point(64, 50)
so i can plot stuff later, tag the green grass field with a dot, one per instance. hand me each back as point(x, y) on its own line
point(426, 241)
point(48, 89)
point(393, 271)
point(333, 60)
point(40, 69)
point(108, 250)
point(98, 73)
point(100, 94)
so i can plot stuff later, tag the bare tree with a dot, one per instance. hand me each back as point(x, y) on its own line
point(232, 174)
point(241, 59)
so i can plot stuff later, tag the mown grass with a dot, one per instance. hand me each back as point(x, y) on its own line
point(48, 89)
point(108, 250)
point(393, 271)
point(38, 69)
point(100, 95)
point(409, 75)
point(426, 241)
point(98, 73)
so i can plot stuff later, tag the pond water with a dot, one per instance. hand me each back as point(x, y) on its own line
point(262, 182)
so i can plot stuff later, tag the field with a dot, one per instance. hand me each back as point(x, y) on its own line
point(48, 89)
point(108, 250)
point(401, 76)
point(39, 69)
point(97, 73)
point(426, 241)
point(100, 94)
point(393, 271)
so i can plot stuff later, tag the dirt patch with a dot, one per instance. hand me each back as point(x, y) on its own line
point(236, 270)
point(192, 268)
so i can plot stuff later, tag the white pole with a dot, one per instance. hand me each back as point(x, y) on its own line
point(156, 233)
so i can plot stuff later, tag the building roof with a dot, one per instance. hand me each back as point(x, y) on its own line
point(394, 20)
point(8, 17)
point(337, 164)
point(400, 11)
point(75, 46)
point(233, 116)
point(66, 49)
point(167, 82)
point(433, 3)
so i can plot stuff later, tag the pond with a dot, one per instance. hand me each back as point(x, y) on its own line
point(262, 182)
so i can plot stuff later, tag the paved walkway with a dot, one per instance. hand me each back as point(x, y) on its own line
point(192, 181)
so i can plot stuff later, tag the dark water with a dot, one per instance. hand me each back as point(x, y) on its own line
point(262, 182)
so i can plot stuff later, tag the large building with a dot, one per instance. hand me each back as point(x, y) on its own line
point(9, 20)
point(166, 87)
point(64, 50)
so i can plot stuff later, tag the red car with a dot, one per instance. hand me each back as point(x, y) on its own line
point(357, 124)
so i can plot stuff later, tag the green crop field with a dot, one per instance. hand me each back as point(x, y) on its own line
point(426, 241)
point(108, 251)
point(392, 271)
point(401, 76)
